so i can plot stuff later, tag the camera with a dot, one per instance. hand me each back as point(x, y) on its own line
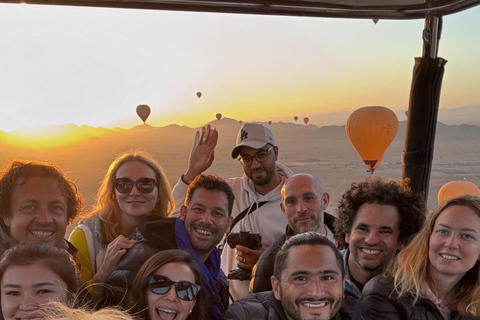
point(250, 240)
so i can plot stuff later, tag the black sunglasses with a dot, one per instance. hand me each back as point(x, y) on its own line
point(185, 290)
point(144, 185)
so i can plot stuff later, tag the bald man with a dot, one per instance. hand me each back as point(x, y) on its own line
point(303, 203)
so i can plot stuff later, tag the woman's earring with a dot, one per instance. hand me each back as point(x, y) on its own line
point(190, 311)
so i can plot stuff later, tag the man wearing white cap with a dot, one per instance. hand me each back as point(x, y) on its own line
point(257, 192)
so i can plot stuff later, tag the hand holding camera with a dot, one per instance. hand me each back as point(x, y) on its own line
point(248, 246)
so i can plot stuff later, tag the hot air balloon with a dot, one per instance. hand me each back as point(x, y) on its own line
point(270, 122)
point(375, 21)
point(199, 95)
point(370, 131)
point(143, 112)
point(457, 188)
point(306, 119)
point(240, 121)
point(295, 118)
point(219, 116)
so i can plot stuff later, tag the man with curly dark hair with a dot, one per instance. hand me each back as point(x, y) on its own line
point(376, 218)
point(37, 203)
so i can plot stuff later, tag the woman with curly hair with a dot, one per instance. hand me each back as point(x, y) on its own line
point(437, 275)
point(134, 187)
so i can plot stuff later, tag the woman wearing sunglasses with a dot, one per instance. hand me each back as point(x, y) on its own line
point(134, 187)
point(168, 286)
point(437, 275)
point(33, 275)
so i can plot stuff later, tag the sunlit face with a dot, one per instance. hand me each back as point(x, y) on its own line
point(303, 204)
point(261, 173)
point(455, 243)
point(38, 212)
point(23, 296)
point(373, 240)
point(311, 286)
point(169, 306)
point(206, 220)
point(136, 204)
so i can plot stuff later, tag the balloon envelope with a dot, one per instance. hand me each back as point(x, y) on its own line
point(295, 118)
point(270, 122)
point(306, 119)
point(218, 116)
point(457, 188)
point(370, 131)
point(143, 112)
point(199, 95)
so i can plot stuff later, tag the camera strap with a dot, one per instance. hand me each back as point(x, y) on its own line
point(239, 217)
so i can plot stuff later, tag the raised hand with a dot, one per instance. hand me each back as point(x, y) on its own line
point(202, 155)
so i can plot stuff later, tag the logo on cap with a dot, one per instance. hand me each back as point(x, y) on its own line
point(243, 135)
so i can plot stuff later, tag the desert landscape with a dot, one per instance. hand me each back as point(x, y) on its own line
point(324, 152)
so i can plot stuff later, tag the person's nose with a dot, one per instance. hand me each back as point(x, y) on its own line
point(135, 190)
point(206, 217)
point(316, 287)
point(451, 242)
point(255, 163)
point(28, 303)
point(43, 215)
point(372, 238)
point(171, 295)
point(301, 206)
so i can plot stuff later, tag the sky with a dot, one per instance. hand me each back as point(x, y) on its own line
point(93, 66)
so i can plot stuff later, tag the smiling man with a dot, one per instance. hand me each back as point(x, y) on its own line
point(308, 283)
point(205, 217)
point(37, 203)
point(303, 203)
point(376, 218)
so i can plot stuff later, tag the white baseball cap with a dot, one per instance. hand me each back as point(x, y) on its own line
point(253, 135)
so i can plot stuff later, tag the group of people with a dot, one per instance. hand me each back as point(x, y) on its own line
point(162, 254)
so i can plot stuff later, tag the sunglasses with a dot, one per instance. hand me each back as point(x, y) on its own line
point(185, 290)
point(144, 185)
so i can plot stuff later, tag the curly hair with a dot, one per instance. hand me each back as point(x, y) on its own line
point(411, 269)
point(411, 207)
point(106, 207)
point(19, 171)
point(58, 311)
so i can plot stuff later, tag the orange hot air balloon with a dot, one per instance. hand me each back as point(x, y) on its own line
point(370, 131)
point(270, 122)
point(219, 116)
point(295, 118)
point(306, 119)
point(457, 188)
point(199, 95)
point(143, 112)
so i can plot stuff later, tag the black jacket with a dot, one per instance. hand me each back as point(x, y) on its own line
point(263, 305)
point(381, 301)
point(264, 268)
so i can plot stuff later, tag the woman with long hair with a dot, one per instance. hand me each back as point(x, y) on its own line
point(168, 286)
point(437, 275)
point(134, 187)
point(33, 275)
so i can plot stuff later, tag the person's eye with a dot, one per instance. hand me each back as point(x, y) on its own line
point(300, 279)
point(44, 291)
point(12, 293)
point(386, 232)
point(328, 278)
point(197, 210)
point(309, 198)
point(29, 208)
point(291, 201)
point(261, 155)
point(442, 232)
point(219, 214)
point(467, 236)
point(362, 229)
point(58, 209)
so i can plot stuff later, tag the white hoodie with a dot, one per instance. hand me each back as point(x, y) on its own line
point(269, 220)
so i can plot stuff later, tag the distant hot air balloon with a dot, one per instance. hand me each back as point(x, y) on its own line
point(270, 122)
point(240, 121)
point(370, 131)
point(375, 21)
point(219, 116)
point(457, 188)
point(295, 118)
point(199, 95)
point(143, 112)
point(306, 119)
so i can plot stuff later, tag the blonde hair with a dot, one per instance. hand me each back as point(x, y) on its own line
point(410, 270)
point(106, 206)
point(58, 311)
